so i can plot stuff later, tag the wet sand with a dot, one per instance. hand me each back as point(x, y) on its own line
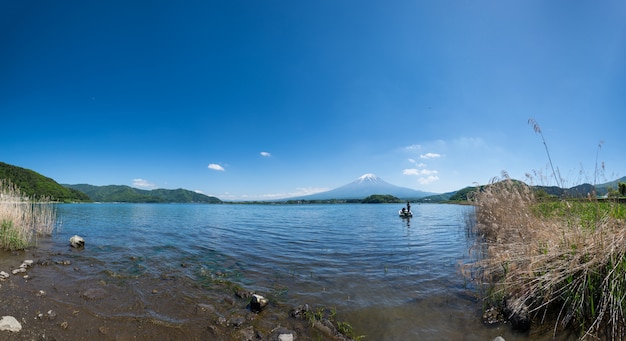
point(68, 297)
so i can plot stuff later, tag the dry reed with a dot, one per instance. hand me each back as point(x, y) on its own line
point(22, 220)
point(562, 261)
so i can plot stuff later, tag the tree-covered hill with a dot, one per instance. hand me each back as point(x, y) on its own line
point(116, 193)
point(381, 199)
point(36, 186)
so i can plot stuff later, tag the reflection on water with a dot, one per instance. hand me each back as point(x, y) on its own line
point(392, 278)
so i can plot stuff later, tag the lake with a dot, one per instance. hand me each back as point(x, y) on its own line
point(391, 278)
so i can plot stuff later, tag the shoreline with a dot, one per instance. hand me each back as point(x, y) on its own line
point(54, 301)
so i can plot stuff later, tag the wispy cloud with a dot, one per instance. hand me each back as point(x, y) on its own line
point(427, 180)
point(418, 164)
point(215, 166)
point(430, 156)
point(142, 183)
point(265, 154)
point(198, 191)
point(413, 171)
point(413, 147)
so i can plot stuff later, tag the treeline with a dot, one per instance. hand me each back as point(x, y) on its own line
point(118, 193)
point(37, 186)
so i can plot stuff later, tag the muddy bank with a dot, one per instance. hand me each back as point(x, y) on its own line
point(64, 296)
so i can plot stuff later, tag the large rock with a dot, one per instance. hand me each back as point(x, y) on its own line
point(10, 323)
point(77, 241)
point(258, 302)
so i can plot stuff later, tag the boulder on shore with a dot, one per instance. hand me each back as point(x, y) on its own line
point(258, 302)
point(9, 323)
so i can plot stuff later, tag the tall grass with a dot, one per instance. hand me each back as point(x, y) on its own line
point(563, 261)
point(22, 220)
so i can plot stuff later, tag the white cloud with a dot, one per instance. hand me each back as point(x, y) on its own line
point(199, 191)
point(299, 192)
point(427, 180)
point(215, 166)
point(430, 156)
point(266, 154)
point(420, 164)
point(141, 183)
point(413, 147)
point(417, 172)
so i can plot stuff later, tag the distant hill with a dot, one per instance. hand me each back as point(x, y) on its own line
point(117, 193)
point(603, 189)
point(364, 186)
point(36, 186)
point(579, 191)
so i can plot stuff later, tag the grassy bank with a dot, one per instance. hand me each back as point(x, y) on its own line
point(22, 220)
point(562, 262)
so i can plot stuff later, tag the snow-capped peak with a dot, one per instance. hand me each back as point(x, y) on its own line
point(368, 177)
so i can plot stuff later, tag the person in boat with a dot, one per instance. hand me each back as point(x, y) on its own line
point(403, 211)
point(408, 206)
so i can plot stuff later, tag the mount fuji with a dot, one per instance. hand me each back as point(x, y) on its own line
point(364, 186)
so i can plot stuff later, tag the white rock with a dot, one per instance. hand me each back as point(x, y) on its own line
point(18, 270)
point(77, 241)
point(285, 337)
point(10, 323)
point(28, 263)
point(4, 275)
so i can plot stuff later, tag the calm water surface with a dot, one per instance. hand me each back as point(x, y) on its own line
point(391, 278)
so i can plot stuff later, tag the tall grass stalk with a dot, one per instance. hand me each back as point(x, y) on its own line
point(560, 259)
point(537, 129)
point(22, 220)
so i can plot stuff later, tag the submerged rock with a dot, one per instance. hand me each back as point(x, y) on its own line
point(9, 323)
point(94, 294)
point(282, 334)
point(493, 315)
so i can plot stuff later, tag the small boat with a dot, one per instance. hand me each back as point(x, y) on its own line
point(405, 214)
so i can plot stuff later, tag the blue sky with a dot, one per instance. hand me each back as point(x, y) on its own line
point(268, 99)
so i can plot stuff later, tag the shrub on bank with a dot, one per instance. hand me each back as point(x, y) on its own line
point(563, 261)
point(22, 220)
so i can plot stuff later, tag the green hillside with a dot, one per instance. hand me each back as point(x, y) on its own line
point(35, 185)
point(116, 193)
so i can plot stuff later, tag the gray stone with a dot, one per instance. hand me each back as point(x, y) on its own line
point(498, 338)
point(247, 334)
point(9, 323)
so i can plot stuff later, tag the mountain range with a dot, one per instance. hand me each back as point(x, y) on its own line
point(37, 186)
point(364, 186)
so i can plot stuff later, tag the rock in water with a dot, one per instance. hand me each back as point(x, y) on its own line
point(258, 302)
point(10, 323)
point(77, 241)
